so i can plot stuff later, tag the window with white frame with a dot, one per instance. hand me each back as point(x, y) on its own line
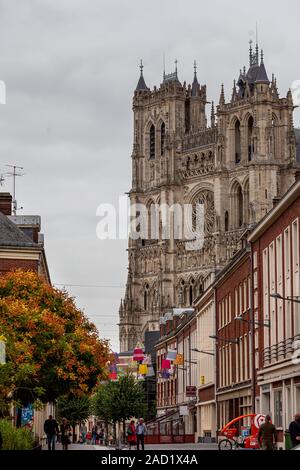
point(278, 408)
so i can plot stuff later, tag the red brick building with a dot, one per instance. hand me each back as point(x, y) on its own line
point(233, 339)
point(21, 243)
point(276, 294)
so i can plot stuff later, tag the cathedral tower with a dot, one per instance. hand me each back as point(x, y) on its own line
point(235, 167)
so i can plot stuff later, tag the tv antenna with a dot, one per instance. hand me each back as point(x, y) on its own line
point(14, 173)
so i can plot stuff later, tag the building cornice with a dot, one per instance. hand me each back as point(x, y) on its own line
point(291, 195)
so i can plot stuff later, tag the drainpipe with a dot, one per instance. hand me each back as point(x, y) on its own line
point(252, 328)
point(215, 363)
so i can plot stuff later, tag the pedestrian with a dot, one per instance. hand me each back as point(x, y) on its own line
point(101, 437)
point(65, 430)
point(94, 435)
point(294, 429)
point(267, 434)
point(131, 434)
point(110, 440)
point(51, 431)
point(140, 434)
point(83, 433)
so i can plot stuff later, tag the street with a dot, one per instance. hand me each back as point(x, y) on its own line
point(174, 447)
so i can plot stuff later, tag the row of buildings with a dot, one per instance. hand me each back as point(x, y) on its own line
point(241, 164)
point(22, 247)
point(241, 341)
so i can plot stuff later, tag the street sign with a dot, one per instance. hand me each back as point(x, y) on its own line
point(191, 391)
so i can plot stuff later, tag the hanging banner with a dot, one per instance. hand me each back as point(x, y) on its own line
point(166, 364)
point(171, 354)
point(143, 369)
point(150, 372)
point(179, 361)
point(183, 411)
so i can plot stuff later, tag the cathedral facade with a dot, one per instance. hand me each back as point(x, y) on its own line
point(236, 165)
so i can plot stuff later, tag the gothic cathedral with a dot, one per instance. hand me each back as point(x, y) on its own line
point(236, 165)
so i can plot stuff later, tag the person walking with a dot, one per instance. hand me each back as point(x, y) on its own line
point(294, 429)
point(51, 431)
point(267, 434)
point(65, 431)
point(83, 433)
point(140, 434)
point(131, 434)
point(94, 435)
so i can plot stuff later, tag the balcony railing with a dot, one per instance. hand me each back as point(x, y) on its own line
point(279, 351)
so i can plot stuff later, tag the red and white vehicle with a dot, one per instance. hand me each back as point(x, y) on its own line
point(238, 435)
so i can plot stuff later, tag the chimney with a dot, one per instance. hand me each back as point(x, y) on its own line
point(5, 203)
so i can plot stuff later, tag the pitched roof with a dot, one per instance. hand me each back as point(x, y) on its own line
point(11, 235)
point(262, 76)
point(141, 86)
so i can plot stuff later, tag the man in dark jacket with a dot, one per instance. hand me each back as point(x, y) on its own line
point(51, 429)
point(294, 429)
point(267, 434)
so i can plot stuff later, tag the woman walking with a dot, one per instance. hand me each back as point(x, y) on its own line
point(65, 431)
point(131, 434)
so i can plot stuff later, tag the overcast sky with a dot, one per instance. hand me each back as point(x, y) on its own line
point(70, 67)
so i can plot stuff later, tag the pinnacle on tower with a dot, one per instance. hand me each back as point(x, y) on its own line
point(141, 86)
point(195, 84)
point(222, 95)
point(262, 76)
point(234, 92)
point(212, 115)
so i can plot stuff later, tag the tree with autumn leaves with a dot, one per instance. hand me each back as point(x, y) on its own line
point(52, 349)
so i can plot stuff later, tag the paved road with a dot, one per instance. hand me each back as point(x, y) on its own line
point(147, 447)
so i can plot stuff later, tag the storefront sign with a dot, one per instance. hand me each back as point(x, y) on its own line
point(191, 391)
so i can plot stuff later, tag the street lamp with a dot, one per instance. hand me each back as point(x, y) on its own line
point(289, 298)
point(210, 353)
point(240, 318)
point(226, 340)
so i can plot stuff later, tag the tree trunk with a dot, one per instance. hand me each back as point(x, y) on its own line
point(124, 432)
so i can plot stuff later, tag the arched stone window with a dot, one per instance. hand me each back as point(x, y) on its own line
point(181, 293)
point(152, 142)
point(191, 291)
point(246, 202)
point(237, 205)
point(146, 297)
point(205, 198)
point(250, 139)
point(240, 206)
point(237, 141)
point(226, 221)
point(162, 138)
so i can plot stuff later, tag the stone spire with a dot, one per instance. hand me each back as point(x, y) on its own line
point(195, 84)
point(141, 86)
point(234, 92)
point(262, 76)
point(222, 96)
point(212, 115)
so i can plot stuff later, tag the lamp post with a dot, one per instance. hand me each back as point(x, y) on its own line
point(226, 340)
point(262, 324)
point(210, 353)
point(289, 298)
